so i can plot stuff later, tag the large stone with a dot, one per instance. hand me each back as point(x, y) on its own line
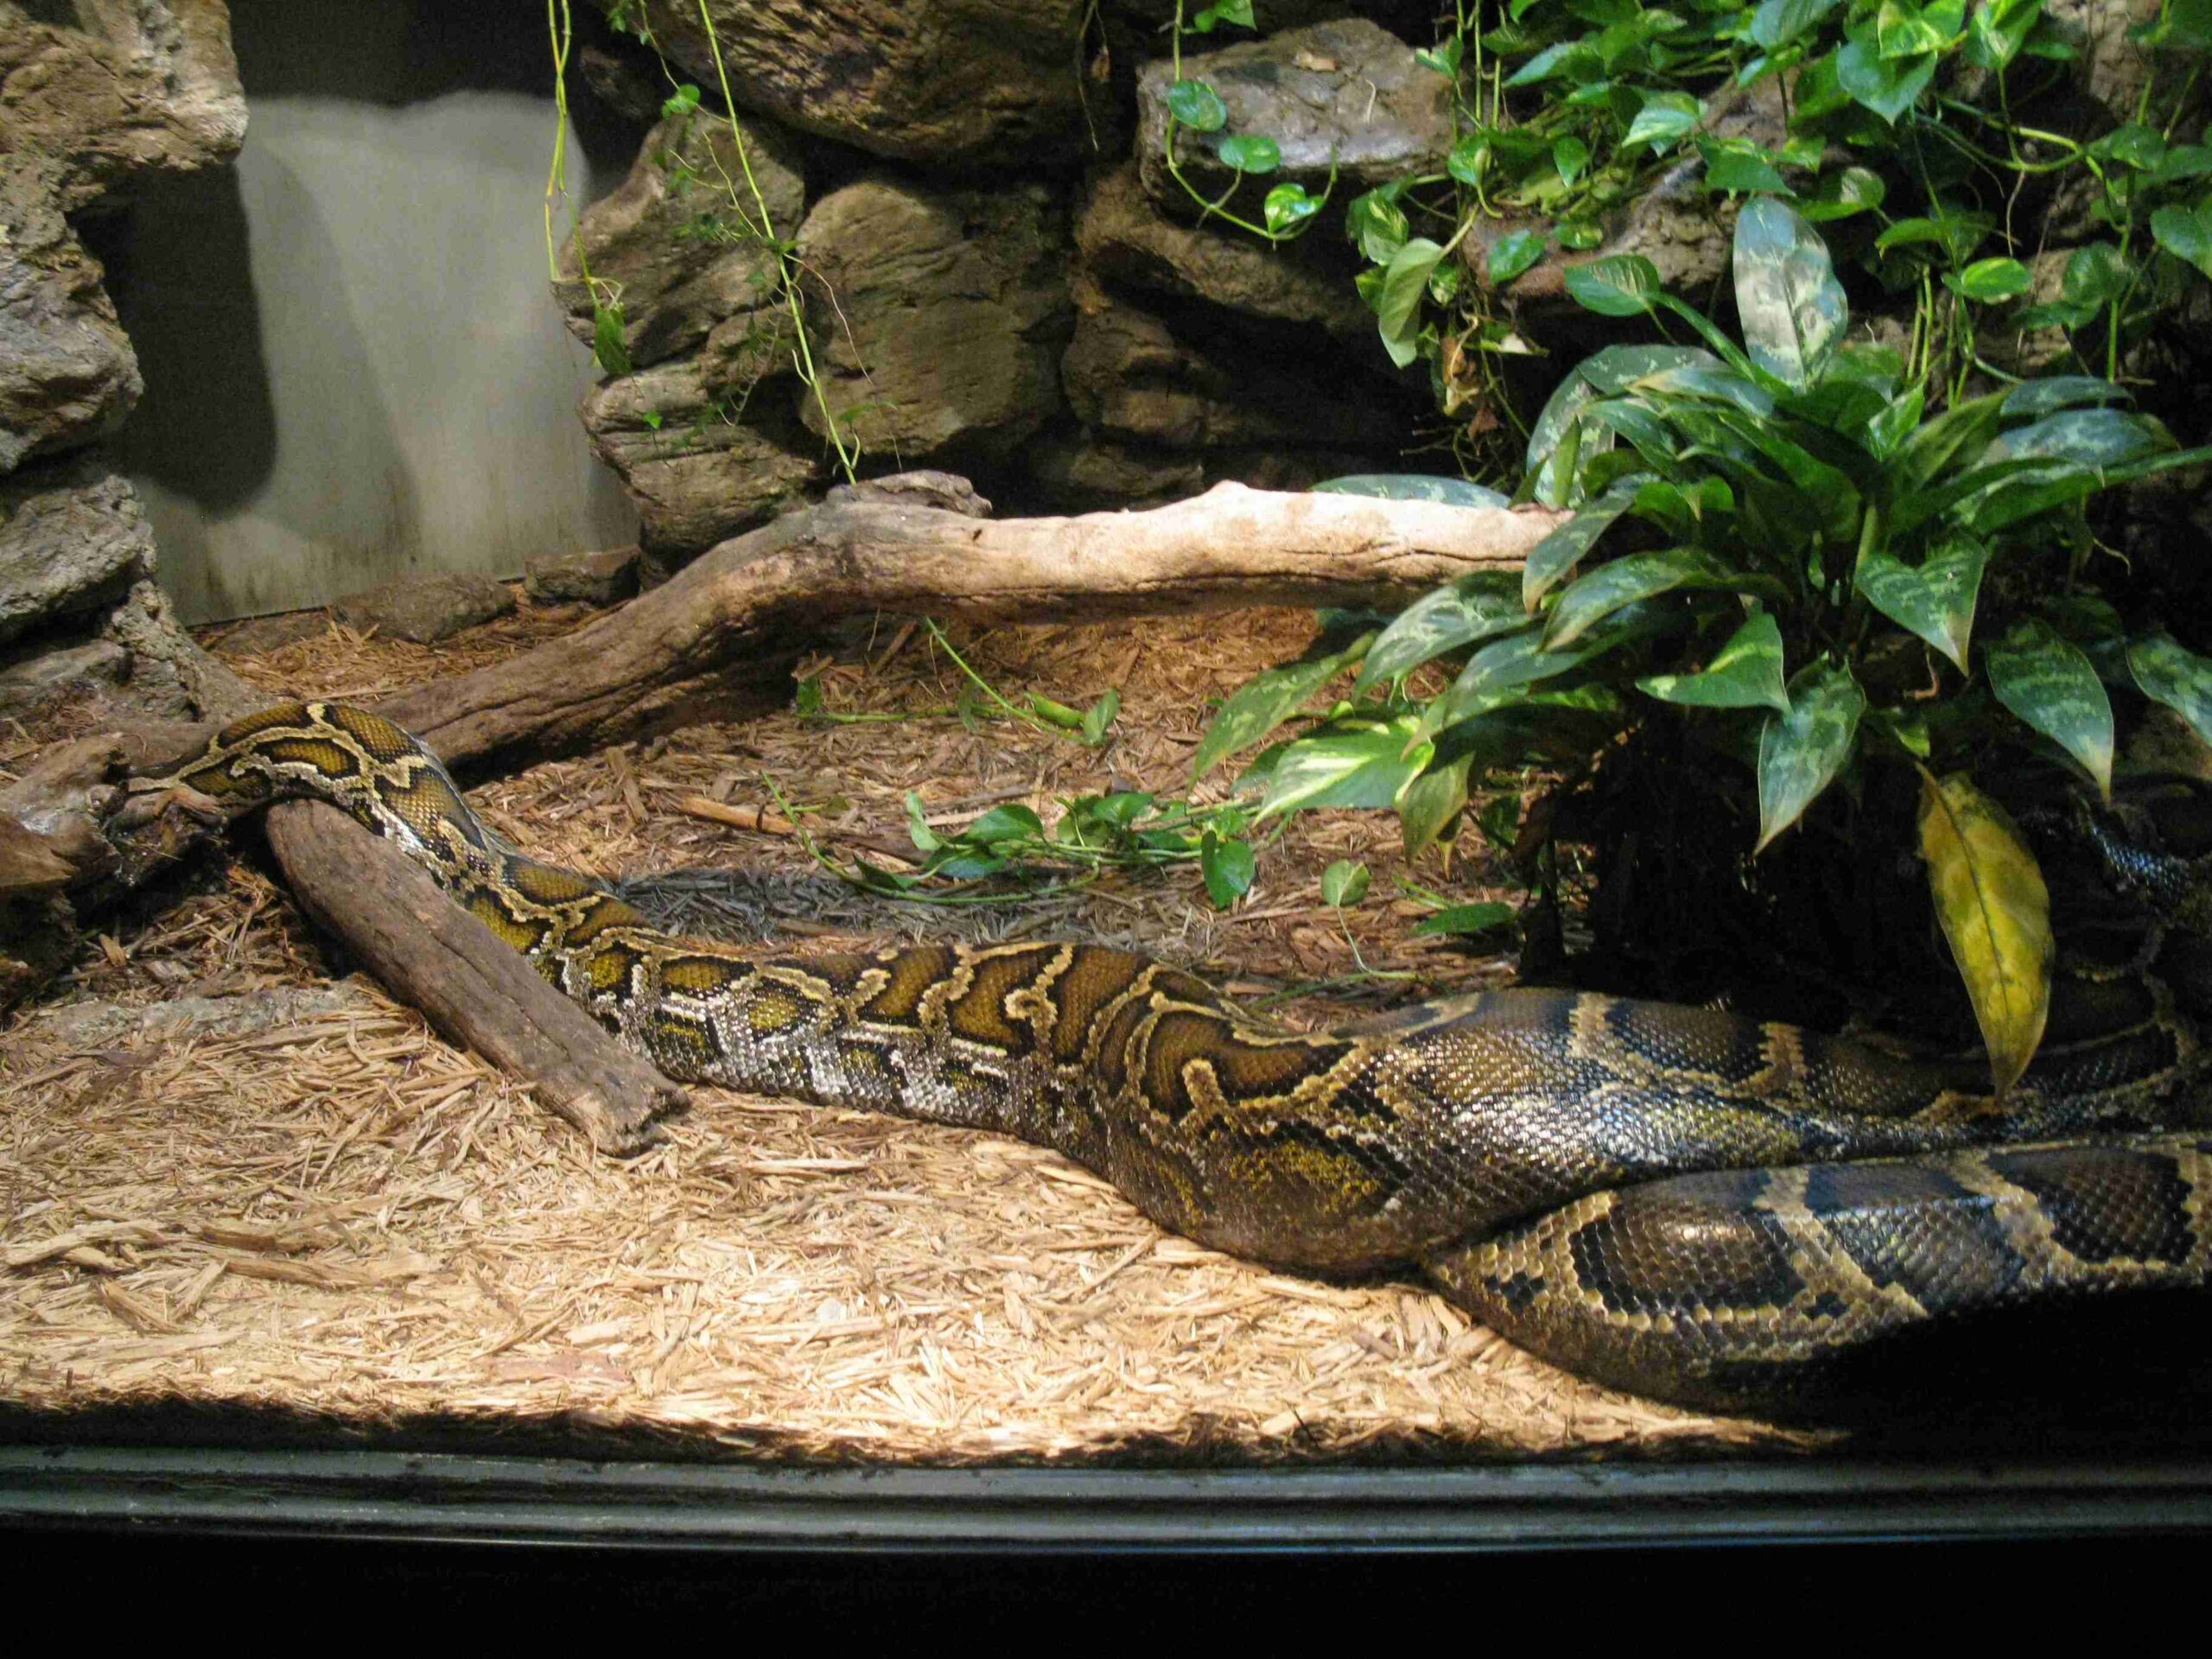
point(1134, 377)
point(937, 316)
point(171, 678)
point(1125, 238)
point(939, 491)
point(962, 82)
point(71, 541)
point(598, 575)
point(76, 579)
point(685, 251)
point(126, 89)
point(88, 107)
point(700, 465)
point(425, 608)
point(1345, 96)
point(67, 373)
point(35, 681)
point(95, 96)
point(670, 428)
point(688, 503)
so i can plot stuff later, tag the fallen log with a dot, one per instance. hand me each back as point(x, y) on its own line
point(433, 955)
point(712, 642)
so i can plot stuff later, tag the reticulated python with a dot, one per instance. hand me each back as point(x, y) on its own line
point(1671, 1200)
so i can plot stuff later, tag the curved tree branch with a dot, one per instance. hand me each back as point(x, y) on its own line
point(726, 625)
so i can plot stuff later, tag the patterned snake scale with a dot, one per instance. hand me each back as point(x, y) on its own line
point(1673, 1200)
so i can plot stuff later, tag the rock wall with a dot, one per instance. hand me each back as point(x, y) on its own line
point(949, 82)
point(990, 280)
point(939, 315)
point(95, 96)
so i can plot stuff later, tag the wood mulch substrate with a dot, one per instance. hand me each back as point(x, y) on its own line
point(235, 1183)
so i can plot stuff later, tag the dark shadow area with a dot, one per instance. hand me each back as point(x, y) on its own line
point(1141, 1600)
point(984, 1592)
point(2126, 1374)
point(408, 52)
point(389, 53)
point(179, 269)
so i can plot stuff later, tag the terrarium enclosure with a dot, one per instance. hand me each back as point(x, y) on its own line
point(1366, 503)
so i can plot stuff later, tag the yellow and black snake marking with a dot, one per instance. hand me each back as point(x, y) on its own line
point(1670, 1200)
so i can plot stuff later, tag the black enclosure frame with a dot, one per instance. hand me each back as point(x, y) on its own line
point(440, 1498)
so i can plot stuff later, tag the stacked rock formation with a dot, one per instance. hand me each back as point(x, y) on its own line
point(89, 108)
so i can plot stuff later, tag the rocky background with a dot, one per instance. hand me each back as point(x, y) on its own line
point(996, 283)
point(999, 277)
point(95, 98)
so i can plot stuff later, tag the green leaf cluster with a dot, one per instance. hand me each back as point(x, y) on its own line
point(1120, 830)
point(1194, 105)
point(1812, 526)
point(1772, 537)
point(1899, 112)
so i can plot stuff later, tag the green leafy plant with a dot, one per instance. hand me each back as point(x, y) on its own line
point(1916, 119)
point(1009, 853)
point(1127, 829)
point(1771, 539)
point(1090, 726)
point(1344, 883)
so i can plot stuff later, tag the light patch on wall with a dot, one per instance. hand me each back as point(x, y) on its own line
point(353, 366)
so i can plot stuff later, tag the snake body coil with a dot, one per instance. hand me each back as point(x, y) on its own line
point(1673, 1200)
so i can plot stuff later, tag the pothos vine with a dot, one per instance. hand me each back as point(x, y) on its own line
point(1907, 114)
point(754, 225)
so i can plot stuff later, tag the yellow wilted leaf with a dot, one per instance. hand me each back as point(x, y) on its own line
point(1996, 913)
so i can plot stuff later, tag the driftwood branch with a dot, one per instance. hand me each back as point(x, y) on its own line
point(707, 643)
point(435, 955)
point(72, 839)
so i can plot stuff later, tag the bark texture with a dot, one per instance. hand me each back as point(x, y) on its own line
point(433, 955)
